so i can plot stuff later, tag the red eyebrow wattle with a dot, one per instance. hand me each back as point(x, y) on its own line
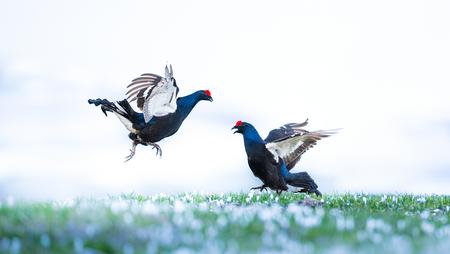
point(208, 93)
point(238, 123)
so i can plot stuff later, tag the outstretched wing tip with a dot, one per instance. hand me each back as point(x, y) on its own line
point(328, 132)
point(290, 141)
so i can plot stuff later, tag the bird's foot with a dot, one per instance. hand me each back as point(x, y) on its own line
point(157, 147)
point(260, 188)
point(132, 150)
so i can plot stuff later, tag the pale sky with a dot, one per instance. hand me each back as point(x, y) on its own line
point(377, 69)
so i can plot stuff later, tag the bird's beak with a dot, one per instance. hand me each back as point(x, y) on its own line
point(210, 99)
point(235, 128)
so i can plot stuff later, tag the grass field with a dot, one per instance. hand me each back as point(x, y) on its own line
point(229, 223)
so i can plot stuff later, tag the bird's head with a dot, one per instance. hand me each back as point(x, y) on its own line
point(205, 95)
point(240, 127)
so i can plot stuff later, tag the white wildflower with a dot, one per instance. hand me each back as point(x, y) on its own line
point(421, 200)
point(401, 224)
point(128, 218)
point(179, 206)
point(119, 206)
point(10, 201)
point(78, 245)
point(427, 227)
point(425, 214)
point(45, 240)
point(150, 208)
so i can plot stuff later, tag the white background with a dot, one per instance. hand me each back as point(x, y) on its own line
point(377, 69)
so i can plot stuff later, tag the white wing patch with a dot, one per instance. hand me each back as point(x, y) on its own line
point(162, 100)
point(285, 147)
point(154, 95)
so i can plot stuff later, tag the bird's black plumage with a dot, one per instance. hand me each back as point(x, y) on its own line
point(284, 132)
point(262, 164)
point(267, 158)
point(300, 180)
point(157, 127)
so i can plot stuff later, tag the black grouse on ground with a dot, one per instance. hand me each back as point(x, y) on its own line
point(271, 159)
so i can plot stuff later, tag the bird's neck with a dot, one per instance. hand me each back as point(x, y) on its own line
point(186, 103)
point(284, 172)
point(252, 140)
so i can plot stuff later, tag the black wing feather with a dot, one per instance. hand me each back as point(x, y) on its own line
point(285, 131)
point(140, 85)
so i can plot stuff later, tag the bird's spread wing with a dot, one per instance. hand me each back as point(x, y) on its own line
point(290, 141)
point(139, 86)
point(285, 131)
point(161, 101)
point(155, 95)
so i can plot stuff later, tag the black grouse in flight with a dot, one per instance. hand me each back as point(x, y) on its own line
point(162, 111)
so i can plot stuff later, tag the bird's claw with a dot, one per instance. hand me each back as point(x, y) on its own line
point(132, 152)
point(260, 188)
point(158, 149)
point(127, 158)
point(133, 149)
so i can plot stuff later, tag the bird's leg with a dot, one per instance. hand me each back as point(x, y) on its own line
point(157, 147)
point(261, 188)
point(132, 150)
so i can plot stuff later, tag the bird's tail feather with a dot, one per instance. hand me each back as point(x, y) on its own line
point(107, 106)
point(128, 109)
point(122, 109)
point(304, 180)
